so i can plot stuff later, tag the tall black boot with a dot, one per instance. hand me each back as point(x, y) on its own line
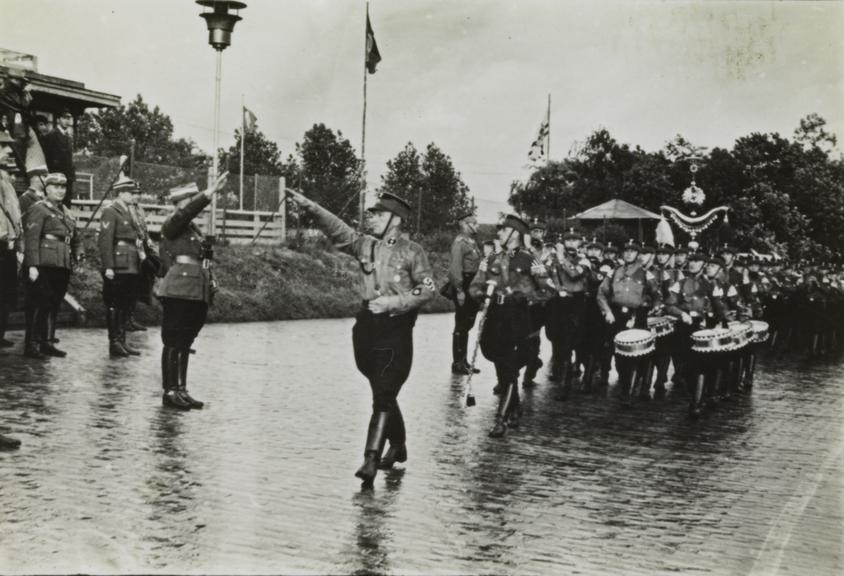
point(115, 347)
point(54, 321)
point(698, 382)
point(567, 372)
point(183, 356)
point(464, 348)
point(170, 380)
point(121, 329)
point(4, 322)
point(130, 323)
point(32, 335)
point(504, 404)
point(458, 355)
point(375, 439)
point(396, 434)
point(48, 328)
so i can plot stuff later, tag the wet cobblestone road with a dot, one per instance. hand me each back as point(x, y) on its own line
point(261, 480)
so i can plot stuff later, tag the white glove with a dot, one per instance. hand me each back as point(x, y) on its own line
point(109, 273)
point(33, 273)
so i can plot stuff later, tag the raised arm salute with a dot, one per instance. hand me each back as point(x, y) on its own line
point(395, 281)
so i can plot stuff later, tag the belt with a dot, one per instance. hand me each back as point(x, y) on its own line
point(185, 259)
point(125, 243)
point(65, 239)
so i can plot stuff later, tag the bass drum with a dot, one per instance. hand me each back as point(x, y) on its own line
point(634, 343)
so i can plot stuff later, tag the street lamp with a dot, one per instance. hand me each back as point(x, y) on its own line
point(220, 23)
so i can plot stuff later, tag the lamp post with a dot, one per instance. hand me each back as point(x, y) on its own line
point(220, 23)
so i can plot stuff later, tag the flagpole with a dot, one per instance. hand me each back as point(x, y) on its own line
point(242, 140)
point(548, 147)
point(362, 207)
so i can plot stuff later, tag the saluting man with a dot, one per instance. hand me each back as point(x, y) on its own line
point(396, 280)
point(51, 243)
point(121, 254)
point(465, 257)
point(185, 291)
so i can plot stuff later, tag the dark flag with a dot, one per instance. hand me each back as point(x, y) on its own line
point(373, 57)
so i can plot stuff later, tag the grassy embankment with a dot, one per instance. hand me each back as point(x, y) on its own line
point(259, 283)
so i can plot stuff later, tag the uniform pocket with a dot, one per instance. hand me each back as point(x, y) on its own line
point(49, 253)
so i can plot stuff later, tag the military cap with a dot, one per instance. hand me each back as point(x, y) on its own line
point(179, 193)
point(37, 171)
point(632, 245)
point(514, 222)
point(697, 256)
point(680, 250)
point(594, 244)
point(55, 179)
point(388, 202)
point(727, 248)
point(571, 235)
point(716, 260)
point(611, 248)
point(665, 249)
point(646, 249)
point(537, 224)
point(126, 185)
point(5, 138)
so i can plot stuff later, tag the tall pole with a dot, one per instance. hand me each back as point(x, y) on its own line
point(362, 207)
point(215, 165)
point(548, 147)
point(242, 140)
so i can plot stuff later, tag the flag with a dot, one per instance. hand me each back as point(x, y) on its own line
point(373, 56)
point(249, 119)
point(539, 146)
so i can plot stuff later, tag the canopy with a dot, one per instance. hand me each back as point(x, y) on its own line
point(616, 209)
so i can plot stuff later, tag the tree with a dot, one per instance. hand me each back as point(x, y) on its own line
point(430, 184)
point(329, 170)
point(260, 155)
point(110, 132)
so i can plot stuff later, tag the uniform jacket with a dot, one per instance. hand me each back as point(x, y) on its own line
point(393, 267)
point(27, 200)
point(181, 237)
point(666, 276)
point(58, 150)
point(11, 227)
point(120, 240)
point(465, 257)
point(571, 275)
point(512, 272)
point(629, 286)
point(698, 296)
point(44, 219)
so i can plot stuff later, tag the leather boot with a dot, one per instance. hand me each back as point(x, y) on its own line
point(645, 379)
point(696, 400)
point(47, 320)
point(375, 439)
point(567, 371)
point(464, 349)
point(586, 387)
point(32, 334)
point(170, 380)
point(54, 321)
point(131, 324)
point(4, 321)
point(121, 329)
point(504, 406)
point(7, 443)
point(182, 358)
point(458, 356)
point(115, 347)
point(396, 434)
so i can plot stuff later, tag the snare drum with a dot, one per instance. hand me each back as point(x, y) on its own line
point(661, 325)
point(712, 340)
point(760, 331)
point(634, 343)
point(742, 333)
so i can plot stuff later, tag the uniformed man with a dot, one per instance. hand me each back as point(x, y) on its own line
point(539, 309)
point(593, 348)
point(121, 253)
point(681, 255)
point(625, 298)
point(150, 263)
point(516, 279)
point(396, 280)
point(666, 275)
point(186, 289)
point(35, 192)
point(571, 276)
point(11, 236)
point(465, 257)
point(696, 301)
point(51, 245)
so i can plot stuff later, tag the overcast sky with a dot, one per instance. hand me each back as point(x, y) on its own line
point(471, 76)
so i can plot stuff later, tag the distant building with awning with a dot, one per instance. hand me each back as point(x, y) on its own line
point(620, 213)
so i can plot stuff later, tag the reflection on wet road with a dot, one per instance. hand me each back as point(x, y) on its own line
point(262, 479)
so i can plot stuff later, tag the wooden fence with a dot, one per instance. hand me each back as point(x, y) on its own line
point(236, 226)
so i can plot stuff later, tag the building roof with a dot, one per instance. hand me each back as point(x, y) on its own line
point(59, 92)
point(616, 209)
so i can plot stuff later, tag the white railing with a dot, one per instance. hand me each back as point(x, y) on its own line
point(237, 226)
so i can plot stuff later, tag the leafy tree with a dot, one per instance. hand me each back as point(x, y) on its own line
point(260, 155)
point(329, 170)
point(109, 133)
